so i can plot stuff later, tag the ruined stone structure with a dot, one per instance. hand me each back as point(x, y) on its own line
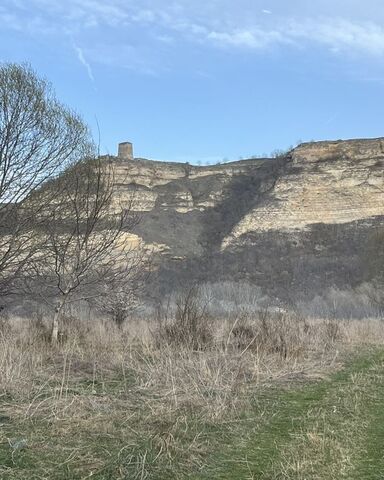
point(125, 151)
point(300, 223)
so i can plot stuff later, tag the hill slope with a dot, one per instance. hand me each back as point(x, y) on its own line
point(302, 222)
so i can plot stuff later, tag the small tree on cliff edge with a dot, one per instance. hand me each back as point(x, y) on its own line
point(39, 137)
point(83, 234)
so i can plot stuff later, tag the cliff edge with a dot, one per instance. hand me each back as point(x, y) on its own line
point(301, 222)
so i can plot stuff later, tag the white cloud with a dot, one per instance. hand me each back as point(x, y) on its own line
point(338, 35)
point(257, 38)
point(86, 65)
point(216, 23)
point(144, 16)
point(167, 39)
point(101, 12)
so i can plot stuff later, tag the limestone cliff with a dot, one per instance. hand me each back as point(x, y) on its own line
point(301, 222)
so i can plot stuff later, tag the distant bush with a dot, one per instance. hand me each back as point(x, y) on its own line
point(270, 332)
point(191, 325)
point(343, 304)
point(228, 298)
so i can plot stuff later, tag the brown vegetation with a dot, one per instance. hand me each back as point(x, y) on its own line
point(147, 390)
point(230, 354)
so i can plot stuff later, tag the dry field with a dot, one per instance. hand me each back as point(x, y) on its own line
point(169, 397)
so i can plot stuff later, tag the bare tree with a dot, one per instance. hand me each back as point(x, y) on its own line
point(373, 267)
point(39, 137)
point(84, 238)
point(119, 296)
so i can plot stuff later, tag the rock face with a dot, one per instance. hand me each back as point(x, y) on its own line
point(299, 223)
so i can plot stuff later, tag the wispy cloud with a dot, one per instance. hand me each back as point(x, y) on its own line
point(157, 24)
point(256, 39)
point(144, 16)
point(83, 61)
point(338, 35)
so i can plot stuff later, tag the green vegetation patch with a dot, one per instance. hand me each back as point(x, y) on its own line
point(326, 430)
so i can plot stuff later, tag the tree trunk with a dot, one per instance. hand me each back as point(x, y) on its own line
point(55, 322)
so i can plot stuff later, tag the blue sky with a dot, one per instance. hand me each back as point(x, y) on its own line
point(200, 81)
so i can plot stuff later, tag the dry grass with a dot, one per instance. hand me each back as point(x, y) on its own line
point(138, 400)
point(235, 355)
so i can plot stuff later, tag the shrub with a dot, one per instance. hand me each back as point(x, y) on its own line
point(191, 325)
point(270, 332)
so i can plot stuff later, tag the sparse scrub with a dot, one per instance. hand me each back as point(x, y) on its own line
point(191, 325)
point(227, 299)
point(281, 333)
point(128, 404)
point(343, 304)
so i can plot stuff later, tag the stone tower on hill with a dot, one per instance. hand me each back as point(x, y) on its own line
point(125, 151)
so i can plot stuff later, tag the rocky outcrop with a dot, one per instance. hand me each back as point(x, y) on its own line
point(300, 222)
point(329, 182)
